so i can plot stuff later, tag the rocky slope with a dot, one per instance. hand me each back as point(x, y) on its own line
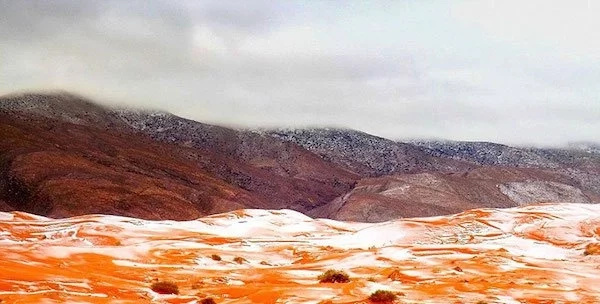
point(441, 177)
point(63, 169)
point(57, 149)
point(279, 158)
point(581, 162)
point(366, 154)
point(535, 254)
point(485, 153)
point(427, 194)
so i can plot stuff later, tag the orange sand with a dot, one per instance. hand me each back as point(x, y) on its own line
point(523, 255)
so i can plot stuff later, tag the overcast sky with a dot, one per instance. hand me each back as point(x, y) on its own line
point(517, 72)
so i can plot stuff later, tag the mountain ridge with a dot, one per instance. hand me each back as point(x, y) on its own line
point(318, 171)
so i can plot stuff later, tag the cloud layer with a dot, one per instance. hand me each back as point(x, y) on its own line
point(504, 71)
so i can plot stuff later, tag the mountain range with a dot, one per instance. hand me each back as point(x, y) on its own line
point(64, 155)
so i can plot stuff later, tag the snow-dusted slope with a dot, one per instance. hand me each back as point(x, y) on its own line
point(486, 153)
point(364, 153)
point(530, 254)
point(579, 161)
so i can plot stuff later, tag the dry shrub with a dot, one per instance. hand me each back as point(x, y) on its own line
point(165, 287)
point(592, 249)
point(215, 257)
point(334, 276)
point(239, 260)
point(382, 296)
point(208, 301)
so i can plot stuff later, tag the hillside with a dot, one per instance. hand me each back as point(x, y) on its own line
point(64, 155)
point(367, 154)
point(580, 162)
point(62, 169)
point(428, 194)
point(535, 254)
point(426, 178)
point(59, 149)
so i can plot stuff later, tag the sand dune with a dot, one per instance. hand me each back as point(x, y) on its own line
point(531, 254)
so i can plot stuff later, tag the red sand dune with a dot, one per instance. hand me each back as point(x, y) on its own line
point(530, 254)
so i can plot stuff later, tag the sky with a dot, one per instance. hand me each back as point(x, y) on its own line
point(515, 72)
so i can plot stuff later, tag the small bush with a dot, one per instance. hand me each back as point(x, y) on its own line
point(334, 276)
point(215, 257)
point(592, 249)
point(165, 287)
point(208, 301)
point(239, 260)
point(382, 296)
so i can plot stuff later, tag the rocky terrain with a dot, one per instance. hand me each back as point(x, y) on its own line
point(277, 158)
point(533, 254)
point(485, 153)
point(421, 178)
point(56, 150)
point(428, 194)
point(581, 162)
point(63, 155)
point(63, 169)
point(366, 154)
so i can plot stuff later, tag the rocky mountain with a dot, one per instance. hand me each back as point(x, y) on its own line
point(367, 154)
point(58, 151)
point(280, 172)
point(64, 155)
point(581, 162)
point(406, 179)
point(486, 153)
point(428, 194)
point(588, 147)
point(62, 169)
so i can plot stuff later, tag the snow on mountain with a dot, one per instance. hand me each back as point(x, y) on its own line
point(588, 147)
point(364, 153)
point(59, 149)
point(580, 162)
point(486, 153)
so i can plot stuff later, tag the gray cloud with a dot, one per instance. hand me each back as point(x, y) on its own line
point(458, 70)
